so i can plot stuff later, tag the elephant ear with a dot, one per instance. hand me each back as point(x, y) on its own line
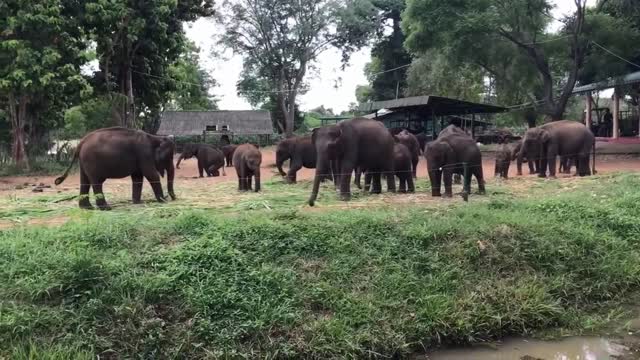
point(545, 137)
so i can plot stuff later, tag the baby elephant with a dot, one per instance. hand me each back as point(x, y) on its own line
point(228, 151)
point(209, 158)
point(403, 160)
point(247, 160)
point(504, 156)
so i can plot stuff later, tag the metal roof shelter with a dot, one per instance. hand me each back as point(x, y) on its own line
point(587, 90)
point(434, 105)
point(194, 123)
point(429, 113)
point(629, 79)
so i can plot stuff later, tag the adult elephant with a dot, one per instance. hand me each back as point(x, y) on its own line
point(115, 153)
point(562, 138)
point(209, 158)
point(301, 152)
point(411, 142)
point(447, 155)
point(350, 144)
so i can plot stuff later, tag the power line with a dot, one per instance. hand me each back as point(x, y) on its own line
point(614, 54)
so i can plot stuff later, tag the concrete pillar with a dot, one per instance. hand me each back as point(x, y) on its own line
point(616, 115)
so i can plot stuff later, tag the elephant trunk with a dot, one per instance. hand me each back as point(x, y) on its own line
point(519, 160)
point(320, 167)
point(279, 162)
point(179, 159)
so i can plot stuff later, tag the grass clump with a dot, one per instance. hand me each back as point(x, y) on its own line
point(332, 284)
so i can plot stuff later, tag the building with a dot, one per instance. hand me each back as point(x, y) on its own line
point(430, 114)
point(221, 125)
point(624, 123)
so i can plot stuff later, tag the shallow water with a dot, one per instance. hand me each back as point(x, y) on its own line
point(574, 348)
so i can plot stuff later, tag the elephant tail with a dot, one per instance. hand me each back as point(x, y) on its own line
point(76, 155)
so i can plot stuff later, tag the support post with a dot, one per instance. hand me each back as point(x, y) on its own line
point(466, 190)
point(473, 126)
point(616, 115)
point(588, 119)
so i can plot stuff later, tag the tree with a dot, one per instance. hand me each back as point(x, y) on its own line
point(473, 31)
point(192, 83)
point(137, 42)
point(280, 39)
point(432, 74)
point(41, 50)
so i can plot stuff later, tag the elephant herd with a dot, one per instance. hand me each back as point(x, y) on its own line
point(335, 152)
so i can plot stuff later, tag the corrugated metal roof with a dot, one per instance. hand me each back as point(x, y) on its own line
point(191, 123)
point(629, 79)
point(435, 105)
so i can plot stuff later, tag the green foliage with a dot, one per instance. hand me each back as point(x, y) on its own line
point(176, 282)
point(192, 83)
point(92, 114)
point(432, 74)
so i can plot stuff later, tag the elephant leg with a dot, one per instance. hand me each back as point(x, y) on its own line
point(101, 202)
point(391, 181)
point(248, 180)
point(136, 191)
point(415, 163)
point(533, 166)
point(345, 182)
point(240, 180)
point(85, 186)
point(448, 181)
point(436, 182)
point(376, 186)
point(505, 169)
point(457, 179)
point(367, 181)
point(402, 187)
point(294, 167)
point(224, 173)
point(357, 177)
point(151, 174)
point(411, 187)
point(552, 154)
point(256, 175)
point(480, 178)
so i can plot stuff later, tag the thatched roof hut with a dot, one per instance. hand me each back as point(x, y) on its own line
point(195, 123)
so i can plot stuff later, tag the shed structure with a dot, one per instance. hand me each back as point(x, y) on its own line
point(223, 124)
point(430, 114)
point(591, 107)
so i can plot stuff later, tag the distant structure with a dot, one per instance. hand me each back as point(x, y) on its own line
point(222, 125)
point(430, 114)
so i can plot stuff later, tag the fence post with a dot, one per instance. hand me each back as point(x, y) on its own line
point(467, 183)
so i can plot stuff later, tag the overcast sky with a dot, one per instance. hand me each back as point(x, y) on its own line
point(329, 86)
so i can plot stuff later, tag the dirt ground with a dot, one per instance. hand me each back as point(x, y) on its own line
point(189, 171)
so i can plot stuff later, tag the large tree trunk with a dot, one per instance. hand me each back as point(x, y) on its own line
point(290, 114)
point(131, 105)
point(17, 115)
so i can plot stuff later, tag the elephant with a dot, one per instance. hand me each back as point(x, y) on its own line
point(247, 160)
point(566, 162)
point(402, 168)
point(209, 158)
point(447, 156)
point(302, 153)
point(533, 163)
point(228, 151)
point(411, 142)
point(504, 156)
point(353, 143)
point(422, 140)
point(562, 138)
point(117, 152)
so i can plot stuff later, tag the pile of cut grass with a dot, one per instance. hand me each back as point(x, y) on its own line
point(345, 283)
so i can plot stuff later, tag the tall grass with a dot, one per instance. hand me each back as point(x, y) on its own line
point(345, 283)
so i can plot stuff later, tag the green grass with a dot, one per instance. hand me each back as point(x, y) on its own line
point(265, 278)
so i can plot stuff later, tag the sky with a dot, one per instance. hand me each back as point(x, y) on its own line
point(329, 85)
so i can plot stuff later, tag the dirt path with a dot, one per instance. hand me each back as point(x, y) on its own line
point(189, 171)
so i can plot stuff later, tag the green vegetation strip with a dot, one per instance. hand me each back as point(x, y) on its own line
point(345, 283)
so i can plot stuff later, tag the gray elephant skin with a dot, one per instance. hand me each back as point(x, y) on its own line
point(247, 160)
point(413, 145)
point(115, 153)
point(301, 152)
point(564, 138)
point(228, 151)
point(210, 159)
point(350, 144)
point(447, 155)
